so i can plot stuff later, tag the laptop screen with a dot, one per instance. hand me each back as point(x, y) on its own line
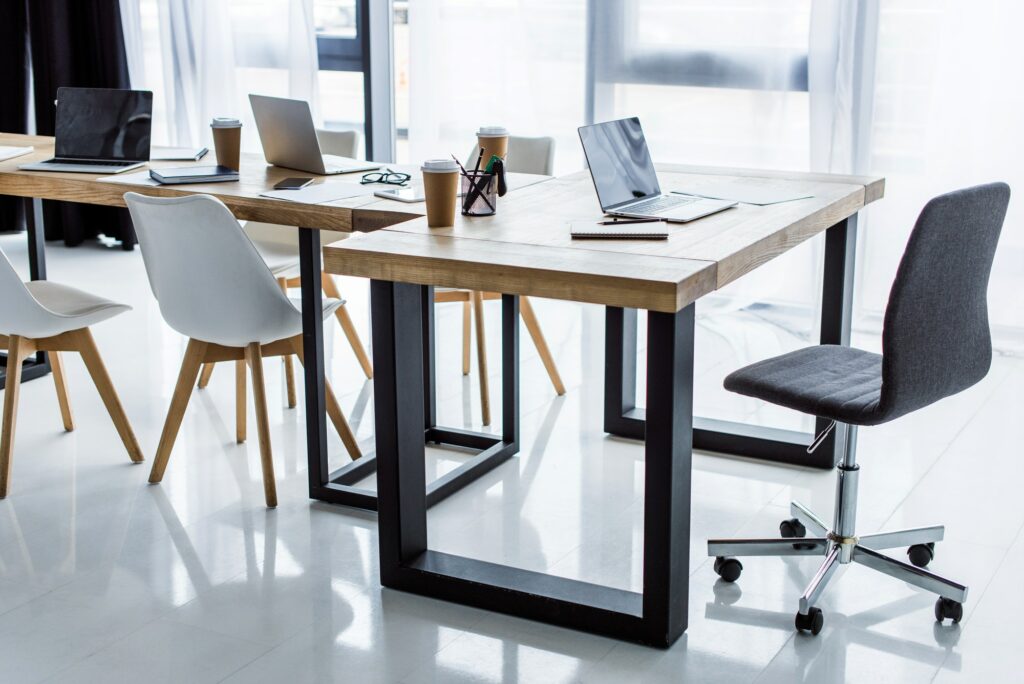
point(101, 123)
point(619, 161)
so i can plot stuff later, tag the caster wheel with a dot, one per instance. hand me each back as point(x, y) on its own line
point(792, 528)
point(812, 622)
point(948, 608)
point(728, 569)
point(921, 554)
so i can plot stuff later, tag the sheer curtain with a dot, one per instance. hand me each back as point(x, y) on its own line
point(203, 57)
point(948, 111)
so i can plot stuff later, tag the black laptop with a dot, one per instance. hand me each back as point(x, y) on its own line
point(100, 130)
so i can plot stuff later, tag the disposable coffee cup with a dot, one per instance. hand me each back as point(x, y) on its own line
point(227, 141)
point(493, 140)
point(440, 187)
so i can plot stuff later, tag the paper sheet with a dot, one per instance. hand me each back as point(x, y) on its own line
point(137, 178)
point(12, 152)
point(759, 191)
point(321, 192)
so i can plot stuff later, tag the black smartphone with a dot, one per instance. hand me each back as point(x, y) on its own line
point(293, 183)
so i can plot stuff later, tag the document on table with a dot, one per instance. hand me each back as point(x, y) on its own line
point(320, 193)
point(137, 178)
point(759, 191)
point(12, 152)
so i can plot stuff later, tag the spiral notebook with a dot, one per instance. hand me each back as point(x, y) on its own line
point(635, 231)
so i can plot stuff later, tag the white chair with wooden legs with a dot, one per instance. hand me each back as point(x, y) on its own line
point(213, 286)
point(46, 316)
point(279, 247)
point(525, 155)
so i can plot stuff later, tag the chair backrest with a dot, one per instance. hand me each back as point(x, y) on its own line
point(210, 281)
point(526, 155)
point(340, 143)
point(936, 341)
point(20, 313)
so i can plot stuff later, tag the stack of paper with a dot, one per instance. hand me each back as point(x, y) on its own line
point(320, 193)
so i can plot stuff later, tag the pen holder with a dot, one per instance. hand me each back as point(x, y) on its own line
point(479, 193)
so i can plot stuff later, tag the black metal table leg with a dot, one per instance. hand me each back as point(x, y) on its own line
point(658, 615)
point(342, 485)
point(37, 365)
point(623, 418)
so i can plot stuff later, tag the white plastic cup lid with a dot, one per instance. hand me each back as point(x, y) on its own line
point(439, 166)
point(225, 122)
point(492, 131)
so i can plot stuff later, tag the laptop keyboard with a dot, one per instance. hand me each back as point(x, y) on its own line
point(656, 204)
point(88, 162)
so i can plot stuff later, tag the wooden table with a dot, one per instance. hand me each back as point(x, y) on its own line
point(242, 198)
point(526, 250)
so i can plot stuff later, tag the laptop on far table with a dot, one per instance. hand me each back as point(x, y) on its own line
point(289, 138)
point(100, 130)
point(625, 180)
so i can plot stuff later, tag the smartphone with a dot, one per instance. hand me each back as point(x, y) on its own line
point(401, 194)
point(293, 183)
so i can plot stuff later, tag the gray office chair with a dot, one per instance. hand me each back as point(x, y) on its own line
point(935, 343)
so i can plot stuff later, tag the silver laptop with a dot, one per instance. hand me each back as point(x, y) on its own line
point(100, 130)
point(625, 180)
point(289, 138)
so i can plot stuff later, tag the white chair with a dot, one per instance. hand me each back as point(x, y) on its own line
point(525, 155)
point(213, 286)
point(46, 316)
point(279, 247)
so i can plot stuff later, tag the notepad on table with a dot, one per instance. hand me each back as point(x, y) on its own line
point(12, 152)
point(177, 153)
point(586, 230)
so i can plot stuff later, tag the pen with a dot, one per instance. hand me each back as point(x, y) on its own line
point(615, 222)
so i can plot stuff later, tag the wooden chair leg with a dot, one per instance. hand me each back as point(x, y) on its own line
point(204, 377)
point(194, 354)
point(334, 411)
point(289, 369)
point(17, 350)
point(61, 383)
point(240, 405)
point(481, 357)
point(259, 392)
point(467, 322)
point(530, 319)
point(94, 363)
point(347, 326)
point(289, 380)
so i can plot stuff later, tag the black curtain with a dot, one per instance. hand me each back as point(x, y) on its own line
point(73, 43)
point(14, 88)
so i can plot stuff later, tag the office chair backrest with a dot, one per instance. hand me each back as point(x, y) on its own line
point(20, 313)
point(340, 143)
point(936, 340)
point(526, 155)
point(210, 281)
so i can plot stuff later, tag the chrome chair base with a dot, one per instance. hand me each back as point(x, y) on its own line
point(840, 550)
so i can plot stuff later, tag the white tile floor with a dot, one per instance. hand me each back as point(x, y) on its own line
point(106, 579)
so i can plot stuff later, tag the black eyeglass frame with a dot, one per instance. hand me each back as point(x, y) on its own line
point(386, 177)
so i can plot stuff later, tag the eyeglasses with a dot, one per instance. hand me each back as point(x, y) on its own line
point(387, 176)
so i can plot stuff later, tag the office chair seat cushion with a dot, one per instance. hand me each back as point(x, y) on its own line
point(67, 308)
point(830, 381)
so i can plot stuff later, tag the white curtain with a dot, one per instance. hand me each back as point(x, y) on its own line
point(203, 57)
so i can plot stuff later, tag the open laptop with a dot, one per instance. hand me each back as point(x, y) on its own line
point(100, 130)
point(625, 180)
point(289, 138)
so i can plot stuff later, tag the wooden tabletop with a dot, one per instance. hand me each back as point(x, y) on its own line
point(243, 197)
point(526, 247)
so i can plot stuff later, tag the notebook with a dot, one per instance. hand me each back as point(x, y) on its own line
point(193, 174)
point(634, 231)
point(177, 153)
